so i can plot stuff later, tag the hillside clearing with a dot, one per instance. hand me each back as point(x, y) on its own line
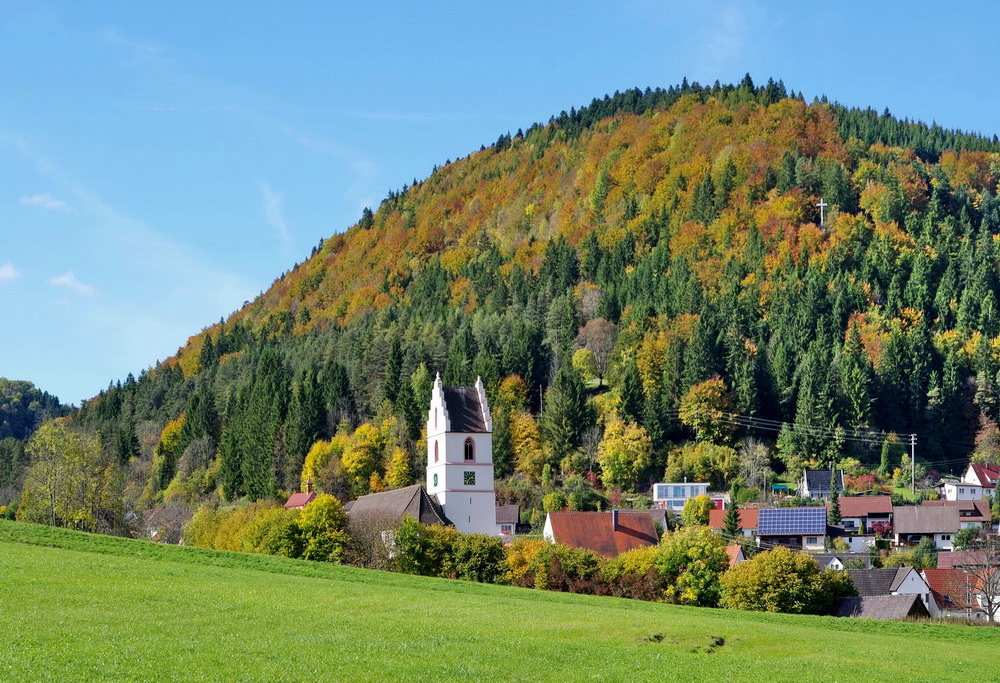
point(77, 606)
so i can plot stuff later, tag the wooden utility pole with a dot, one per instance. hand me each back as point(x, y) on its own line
point(913, 464)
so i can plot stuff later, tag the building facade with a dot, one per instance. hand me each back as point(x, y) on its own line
point(460, 457)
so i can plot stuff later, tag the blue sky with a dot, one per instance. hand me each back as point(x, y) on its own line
point(161, 163)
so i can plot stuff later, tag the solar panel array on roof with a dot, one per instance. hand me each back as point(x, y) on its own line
point(791, 521)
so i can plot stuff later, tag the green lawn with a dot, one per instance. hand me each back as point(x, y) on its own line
point(76, 606)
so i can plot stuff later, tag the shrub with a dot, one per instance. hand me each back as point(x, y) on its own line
point(780, 580)
point(322, 525)
point(273, 531)
point(478, 557)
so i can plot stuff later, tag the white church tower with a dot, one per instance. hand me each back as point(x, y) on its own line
point(460, 456)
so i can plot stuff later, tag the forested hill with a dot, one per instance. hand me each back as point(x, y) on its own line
point(23, 408)
point(675, 234)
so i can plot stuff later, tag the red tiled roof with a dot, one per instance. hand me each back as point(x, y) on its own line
point(594, 530)
point(733, 551)
point(299, 500)
point(987, 474)
point(862, 506)
point(951, 588)
point(959, 558)
point(748, 519)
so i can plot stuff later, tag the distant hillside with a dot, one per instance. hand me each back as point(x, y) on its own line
point(133, 609)
point(23, 408)
point(679, 231)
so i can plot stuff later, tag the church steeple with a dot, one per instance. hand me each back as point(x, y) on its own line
point(460, 456)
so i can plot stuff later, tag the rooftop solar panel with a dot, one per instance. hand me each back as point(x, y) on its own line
point(792, 522)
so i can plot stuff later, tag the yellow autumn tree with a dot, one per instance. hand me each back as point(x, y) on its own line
point(400, 473)
point(361, 456)
point(526, 441)
point(624, 453)
point(705, 408)
point(168, 452)
point(319, 456)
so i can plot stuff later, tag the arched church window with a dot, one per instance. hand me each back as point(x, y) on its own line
point(470, 452)
point(435, 451)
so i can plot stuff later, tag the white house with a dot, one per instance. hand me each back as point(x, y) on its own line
point(899, 581)
point(983, 475)
point(816, 483)
point(961, 490)
point(673, 495)
point(938, 522)
point(460, 457)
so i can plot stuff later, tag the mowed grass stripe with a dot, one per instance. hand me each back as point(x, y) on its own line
point(76, 606)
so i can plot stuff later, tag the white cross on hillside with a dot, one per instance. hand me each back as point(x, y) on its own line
point(822, 205)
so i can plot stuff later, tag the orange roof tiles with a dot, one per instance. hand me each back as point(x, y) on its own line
point(594, 530)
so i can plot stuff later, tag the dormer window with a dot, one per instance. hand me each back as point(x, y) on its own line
point(470, 450)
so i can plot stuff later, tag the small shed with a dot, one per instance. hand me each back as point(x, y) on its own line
point(882, 607)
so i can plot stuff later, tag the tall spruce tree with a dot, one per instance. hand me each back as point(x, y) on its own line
point(833, 515)
point(731, 526)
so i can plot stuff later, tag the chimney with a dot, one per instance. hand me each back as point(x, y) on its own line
point(614, 519)
point(309, 485)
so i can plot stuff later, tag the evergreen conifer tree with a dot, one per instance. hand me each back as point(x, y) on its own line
point(731, 526)
point(833, 515)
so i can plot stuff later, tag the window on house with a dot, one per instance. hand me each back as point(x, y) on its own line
point(679, 492)
point(945, 537)
point(506, 528)
point(961, 491)
point(810, 540)
point(470, 453)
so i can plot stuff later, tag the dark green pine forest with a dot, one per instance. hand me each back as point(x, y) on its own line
point(647, 289)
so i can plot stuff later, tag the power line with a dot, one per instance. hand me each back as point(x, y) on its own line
point(866, 436)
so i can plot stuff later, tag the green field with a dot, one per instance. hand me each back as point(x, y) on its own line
point(76, 606)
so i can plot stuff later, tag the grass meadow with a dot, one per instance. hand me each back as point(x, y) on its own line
point(78, 606)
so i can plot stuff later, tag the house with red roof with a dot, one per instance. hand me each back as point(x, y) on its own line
point(955, 592)
point(747, 517)
point(859, 513)
point(735, 555)
point(983, 475)
point(606, 533)
point(298, 501)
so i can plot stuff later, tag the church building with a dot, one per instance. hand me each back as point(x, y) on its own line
point(460, 457)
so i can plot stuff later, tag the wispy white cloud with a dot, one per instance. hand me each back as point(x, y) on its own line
point(68, 280)
point(724, 40)
point(9, 272)
point(43, 201)
point(273, 211)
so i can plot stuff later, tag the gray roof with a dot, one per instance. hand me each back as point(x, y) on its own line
point(464, 410)
point(871, 582)
point(881, 607)
point(508, 514)
point(819, 480)
point(824, 559)
point(925, 519)
point(392, 506)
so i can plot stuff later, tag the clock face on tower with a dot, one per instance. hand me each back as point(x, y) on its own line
point(469, 479)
